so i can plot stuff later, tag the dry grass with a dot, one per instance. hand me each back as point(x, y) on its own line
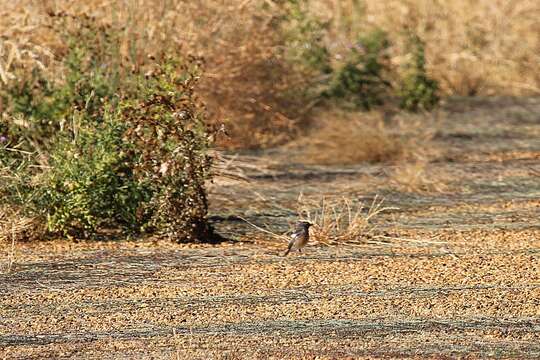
point(347, 138)
point(246, 80)
point(534, 172)
point(15, 226)
point(416, 177)
point(341, 221)
point(350, 138)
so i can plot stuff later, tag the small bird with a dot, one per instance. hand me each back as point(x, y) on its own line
point(300, 237)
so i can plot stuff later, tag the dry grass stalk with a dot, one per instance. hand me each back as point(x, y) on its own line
point(14, 227)
point(11, 256)
point(534, 171)
point(227, 167)
point(342, 221)
point(273, 234)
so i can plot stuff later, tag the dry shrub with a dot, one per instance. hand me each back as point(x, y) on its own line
point(341, 221)
point(351, 138)
point(249, 84)
point(416, 177)
point(472, 47)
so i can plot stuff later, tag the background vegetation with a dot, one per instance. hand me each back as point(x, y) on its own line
point(480, 47)
point(103, 126)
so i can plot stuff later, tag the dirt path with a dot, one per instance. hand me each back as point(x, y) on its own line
point(459, 275)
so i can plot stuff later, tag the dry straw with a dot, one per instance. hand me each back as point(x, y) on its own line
point(350, 138)
point(14, 225)
point(336, 222)
point(342, 221)
point(416, 177)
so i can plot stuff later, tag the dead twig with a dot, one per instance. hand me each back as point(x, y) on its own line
point(264, 230)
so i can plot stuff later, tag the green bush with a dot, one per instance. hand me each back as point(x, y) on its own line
point(361, 78)
point(304, 35)
point(38, 108)
point(90, 183)
point(417, 90)
point(120, 150)
point(364, 78)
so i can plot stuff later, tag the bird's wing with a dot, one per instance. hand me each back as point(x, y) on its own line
point(295, 235)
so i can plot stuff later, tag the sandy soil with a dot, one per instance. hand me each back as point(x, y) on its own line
point(457, 275)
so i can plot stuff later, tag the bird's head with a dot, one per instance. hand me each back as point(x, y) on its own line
point(304, 224)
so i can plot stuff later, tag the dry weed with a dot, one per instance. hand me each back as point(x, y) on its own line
point(228, 167)
point(347, 138)
point(341, 221)
point(534, 172)
point(15, 226)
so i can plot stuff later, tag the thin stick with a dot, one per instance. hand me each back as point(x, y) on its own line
point(534, 171)
point(19, 151)
point(264, 230)
point(11, 255)
point(410, 240)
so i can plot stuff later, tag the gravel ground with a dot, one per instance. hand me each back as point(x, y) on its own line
point(458, 275)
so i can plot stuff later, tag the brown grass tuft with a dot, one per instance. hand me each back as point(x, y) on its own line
point(15, 226)
point(416, 177)
point(249, 85)
point(341, 221)
point(350, 138)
